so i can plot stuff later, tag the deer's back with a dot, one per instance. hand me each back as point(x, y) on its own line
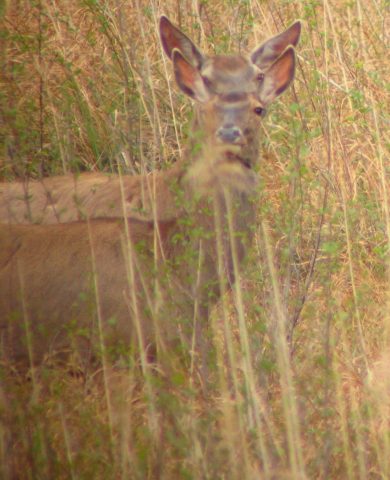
point(68, 198)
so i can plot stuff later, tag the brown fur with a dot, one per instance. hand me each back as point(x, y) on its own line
point(68, 198)
point(47, 281)
point(164, 275)
point(150, 275)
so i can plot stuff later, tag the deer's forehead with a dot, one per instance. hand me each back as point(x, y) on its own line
point(230, 73)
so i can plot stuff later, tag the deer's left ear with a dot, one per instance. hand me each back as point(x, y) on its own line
point(188, 78)
point(278, 77)
point(269, 51)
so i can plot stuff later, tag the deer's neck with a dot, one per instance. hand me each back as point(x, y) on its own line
point(211, 168)
point(205, 170)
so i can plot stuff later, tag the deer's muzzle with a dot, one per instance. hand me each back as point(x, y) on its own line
point(230, 134)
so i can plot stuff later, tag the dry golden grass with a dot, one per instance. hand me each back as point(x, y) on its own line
point(301, 363)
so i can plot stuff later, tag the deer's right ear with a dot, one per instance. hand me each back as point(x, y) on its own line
point(172, 37)
point(278, 77)
point(269, 51)
point(188, 78)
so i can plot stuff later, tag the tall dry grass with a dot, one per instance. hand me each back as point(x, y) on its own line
point(300, 362)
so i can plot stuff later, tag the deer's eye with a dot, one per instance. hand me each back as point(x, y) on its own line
point(259, 111)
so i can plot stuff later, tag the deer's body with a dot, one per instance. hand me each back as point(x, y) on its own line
point(67, 198)
point(182, 233)
point(49, 309)
point(59, 281)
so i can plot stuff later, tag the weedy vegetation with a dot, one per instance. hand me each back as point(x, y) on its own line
point(297, 351)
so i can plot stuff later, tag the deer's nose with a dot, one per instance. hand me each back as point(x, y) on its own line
point(229, 133)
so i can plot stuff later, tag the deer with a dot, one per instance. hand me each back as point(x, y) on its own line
point(149, 257)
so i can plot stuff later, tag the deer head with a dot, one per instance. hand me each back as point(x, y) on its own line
point(232, 92)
